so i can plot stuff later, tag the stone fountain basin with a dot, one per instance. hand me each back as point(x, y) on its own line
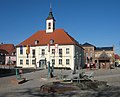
point(62, 87)
point(57, 87)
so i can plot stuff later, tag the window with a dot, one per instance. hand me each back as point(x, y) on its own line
point(21, 50)
point(33, 53)
point(27, 55)
point(53, 61)
point(86, 55)
point(27, 62)
point(49, 25)
point(13, 53)
point(60, 52)
point(67, 50)
point(67, 61)
point(43, 51)
point(21, 62)
point(60, 61)
point(36, 42)
point(53, 51)
point(91, 54)
point(33, 62)
point(51, 41)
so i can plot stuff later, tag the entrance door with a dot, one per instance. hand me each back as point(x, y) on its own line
point(104, 64)
point(42, 63)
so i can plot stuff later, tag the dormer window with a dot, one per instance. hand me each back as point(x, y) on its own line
point(51, 41)
point(36, 42)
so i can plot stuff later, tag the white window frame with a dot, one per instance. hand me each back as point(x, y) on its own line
point(21, 61)
point(33, 54)
point(43, 52)
point(53, 61)
point(67, 61)
point(53, 51)
point(21, 51)
point(67, 50)
point(60, 61)
point(27, 61)
point(49, 25)
point(60, 52)
point(33, 61)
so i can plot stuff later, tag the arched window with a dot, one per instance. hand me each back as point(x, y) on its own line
point(49, 25)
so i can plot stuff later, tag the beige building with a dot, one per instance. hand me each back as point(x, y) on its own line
point(102, 57)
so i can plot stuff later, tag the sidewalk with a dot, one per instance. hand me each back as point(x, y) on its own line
point(38, 78)
point(34, 81)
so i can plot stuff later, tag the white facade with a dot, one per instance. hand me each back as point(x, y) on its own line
point(50, 25)
point(66, 59)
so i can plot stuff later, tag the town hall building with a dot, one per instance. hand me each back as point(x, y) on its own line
point(50, 45)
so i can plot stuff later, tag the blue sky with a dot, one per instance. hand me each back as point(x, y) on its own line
point(93, 21)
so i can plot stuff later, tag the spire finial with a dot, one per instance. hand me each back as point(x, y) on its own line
point(50, 13)
point(50, 7)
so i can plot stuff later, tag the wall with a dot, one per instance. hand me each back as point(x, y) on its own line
point(79, 57)
point(11, 59)
point(48, 56)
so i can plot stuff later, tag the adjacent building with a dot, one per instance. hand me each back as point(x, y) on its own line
point(7, 54)
point(50, 45)
point(117, 60)
point(103, 57)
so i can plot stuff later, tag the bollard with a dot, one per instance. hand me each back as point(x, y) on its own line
point(17, 73)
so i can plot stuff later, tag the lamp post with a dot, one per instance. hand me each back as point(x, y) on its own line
point(80, 66)
point(74, 71)
point(80, 59)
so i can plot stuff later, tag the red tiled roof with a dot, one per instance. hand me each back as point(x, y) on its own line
point(59, 36)
point(7, 47)
point(3, 51)
point(117, 56)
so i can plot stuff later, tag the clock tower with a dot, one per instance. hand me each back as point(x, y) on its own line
point(50, 22)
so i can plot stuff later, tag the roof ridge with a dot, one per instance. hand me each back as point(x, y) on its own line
point(71, 38)
point(87, 44)
point(60, 36)
point(7, 44)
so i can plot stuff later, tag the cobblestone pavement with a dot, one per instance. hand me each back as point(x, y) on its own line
point(31, 88)
point(34, 81)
